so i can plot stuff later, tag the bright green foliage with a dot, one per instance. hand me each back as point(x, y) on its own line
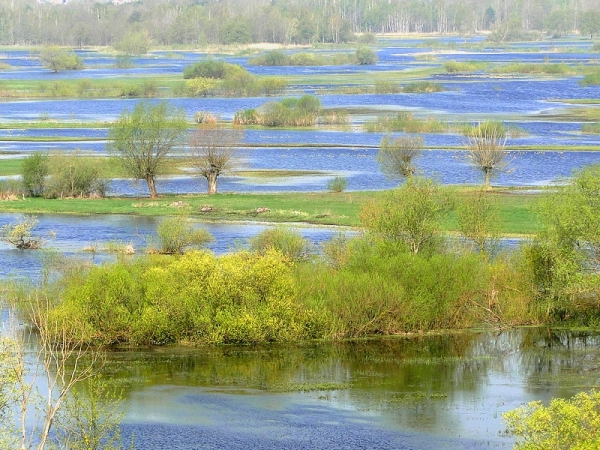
point(176, 234)
point(74, 175)
point(272, 58)
point(407, 122)
point(35, 169)
point(567, 255)
point(291, 111)
point(237, 298)
point(411, 214)
point(365, 56)
point(562, 425)
point(478, 222)
point(377, 287)
point(57, 59)
point(211, 68)
point(288, 242)
point(144, 138)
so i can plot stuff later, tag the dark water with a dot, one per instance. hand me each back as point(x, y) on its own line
point(400, 393)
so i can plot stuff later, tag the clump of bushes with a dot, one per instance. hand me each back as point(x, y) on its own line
point(288, 242)
point(216, 77)
point(407, 122)
point(419, 87)
point(241, 298)
point(295, 112)
point(363, 55)
point(591, 79)
point(563, 423)
point(591, 128)
point(62, 175)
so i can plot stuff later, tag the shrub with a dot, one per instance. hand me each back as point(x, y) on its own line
point(592, 128)
point(35, 169)
point(367, 38)
point(74, 176)
point(386, 87)
point(288, 242)
point(272, 85)
point(365, 56)
point(19, 234)
point(407, 122)
point(215, 69)
point(246, 117)
point(419, 87)
point(337, 184)
point(563, 424)
point(176, 234)
point(306, 59)
point(463, 66)
point(238, 298)
point(271, 58)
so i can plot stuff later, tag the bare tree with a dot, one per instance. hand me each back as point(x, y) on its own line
point(396, 156)
point(212, 151)
point(486, 150)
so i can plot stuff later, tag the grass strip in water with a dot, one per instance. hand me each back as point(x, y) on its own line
point(515, 214)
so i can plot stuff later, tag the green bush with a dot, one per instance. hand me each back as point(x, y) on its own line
point(211, 68)
point(288, 242)
point(176, 234)
point(563, 424)
point(74, 175)
point(419, 87)
point(378, 287)
point(35, 170)
point(405, 121)
point(365, 56)
point(238, 298)
point(463, 66)
point(592, 128)
point(337, 184)
point(272, 58)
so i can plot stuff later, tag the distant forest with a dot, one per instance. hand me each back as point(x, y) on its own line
point(81, 23)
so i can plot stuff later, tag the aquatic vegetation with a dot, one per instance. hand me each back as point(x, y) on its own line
point(419, 87)
point(591, 128)
point(463, 66)
point(532, 68)
point(407, 122)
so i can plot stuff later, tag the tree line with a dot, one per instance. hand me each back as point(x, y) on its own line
point(201, 22)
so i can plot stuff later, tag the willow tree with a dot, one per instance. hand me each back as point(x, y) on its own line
point(212, 151)
point(396, 156)
point(486, 150)
point(144, 139)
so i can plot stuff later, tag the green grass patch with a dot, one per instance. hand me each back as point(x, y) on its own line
point(407, 122)
point(464, 66)
point(591, 128)
point(325, 208)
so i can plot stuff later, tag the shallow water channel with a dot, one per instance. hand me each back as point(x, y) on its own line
point(419, 392)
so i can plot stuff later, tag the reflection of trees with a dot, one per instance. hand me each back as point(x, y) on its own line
point(423, 382)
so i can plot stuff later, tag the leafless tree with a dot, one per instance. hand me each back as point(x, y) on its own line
point(212, 151)
point(486, 150)
point(396, 156)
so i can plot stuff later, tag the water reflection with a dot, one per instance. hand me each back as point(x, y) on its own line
point(414, 390)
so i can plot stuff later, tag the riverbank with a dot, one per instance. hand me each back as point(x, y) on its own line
point(515, 208)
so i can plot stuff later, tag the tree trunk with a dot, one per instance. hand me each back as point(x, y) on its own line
point(151, 187)
point(488, 178)
point(212, 183)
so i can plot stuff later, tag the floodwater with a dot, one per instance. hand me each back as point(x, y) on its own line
point(397, 393)
point(417, 392)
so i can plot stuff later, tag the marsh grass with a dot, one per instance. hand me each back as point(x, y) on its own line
point(407, 122)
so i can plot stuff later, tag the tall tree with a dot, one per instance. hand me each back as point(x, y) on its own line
point(144, 138)
point(486, 150)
